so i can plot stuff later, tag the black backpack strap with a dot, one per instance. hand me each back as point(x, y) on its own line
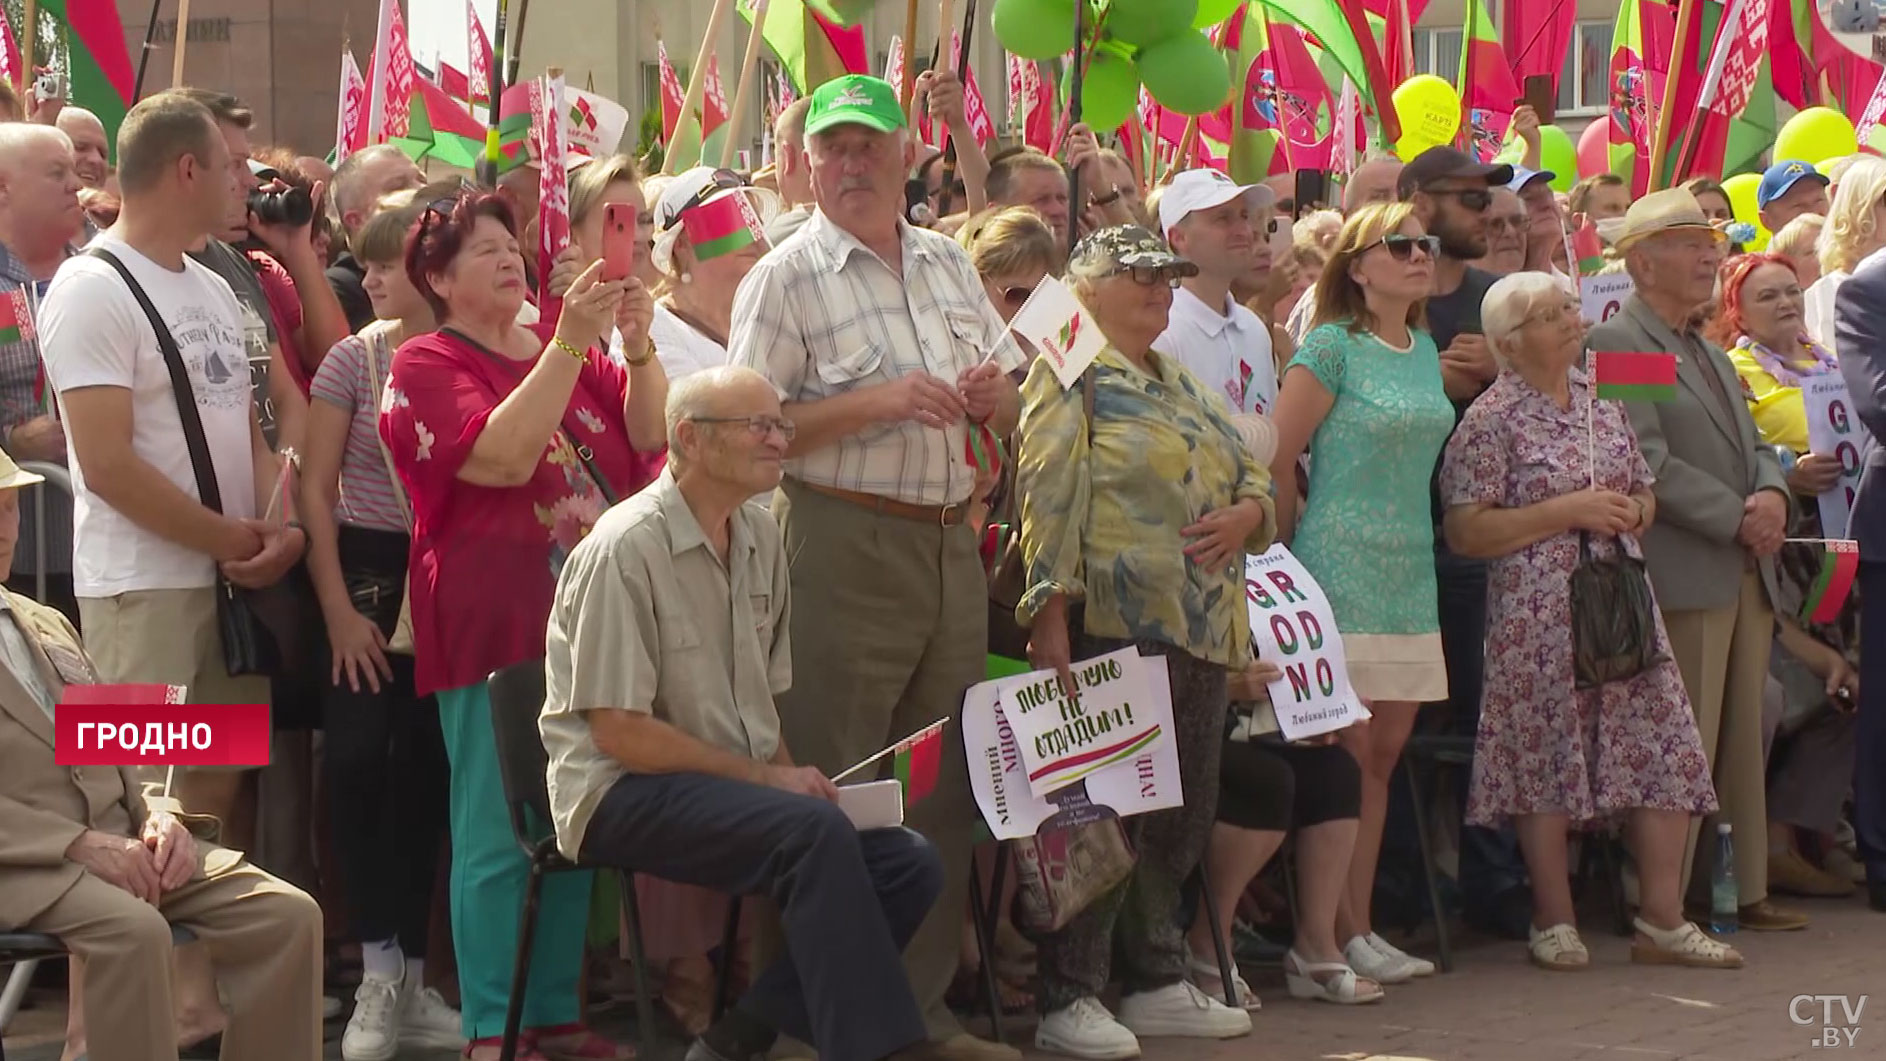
point(193, 438)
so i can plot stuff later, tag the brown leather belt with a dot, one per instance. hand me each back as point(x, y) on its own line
point(935, 515)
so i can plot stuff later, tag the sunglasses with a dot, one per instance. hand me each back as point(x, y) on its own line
point(1401, 248)
point(1471, 198)
point(1149, 275)
point(1015, 296)
point(719, 181)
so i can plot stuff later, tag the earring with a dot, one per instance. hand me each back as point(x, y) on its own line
point(687, 278)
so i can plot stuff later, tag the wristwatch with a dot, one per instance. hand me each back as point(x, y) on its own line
point(1112, 196)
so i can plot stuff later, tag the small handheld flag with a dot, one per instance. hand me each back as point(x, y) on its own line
point(1588, 246)
point(721, 226)
point(1636, 377)
point(917, 760)
point(16, 317)
point(1839, 564)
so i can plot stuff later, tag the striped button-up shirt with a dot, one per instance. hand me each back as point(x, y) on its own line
point(823, 315)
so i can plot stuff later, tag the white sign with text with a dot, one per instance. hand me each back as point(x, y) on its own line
point(1053, 320)
point(1602, 296)
point(1833, 431)
point(1293, 627)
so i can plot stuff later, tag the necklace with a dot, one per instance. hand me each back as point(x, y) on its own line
point(1784, 373)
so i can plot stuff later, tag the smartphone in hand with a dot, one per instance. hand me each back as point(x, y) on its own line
point(618, 241)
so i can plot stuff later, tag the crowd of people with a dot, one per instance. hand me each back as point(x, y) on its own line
point(732, 505)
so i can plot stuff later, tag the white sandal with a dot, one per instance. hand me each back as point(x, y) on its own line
point(1205, 976)
point(1684, 945)
point(1558, 948)
point(1314, 980)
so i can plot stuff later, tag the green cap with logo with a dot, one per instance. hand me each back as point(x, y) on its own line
point(855, 98)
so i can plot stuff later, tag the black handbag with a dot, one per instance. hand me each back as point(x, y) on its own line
point(1614, 618)
point(264, 631)
point(1008, 578)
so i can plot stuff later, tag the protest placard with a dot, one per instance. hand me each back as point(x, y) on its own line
point(1148, 782)
point(1107, 720)
point(1832, 430)
point(1600, 297)
point(1292, 626)
point(1054, 321)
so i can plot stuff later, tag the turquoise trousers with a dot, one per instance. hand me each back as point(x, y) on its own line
point(489, 872)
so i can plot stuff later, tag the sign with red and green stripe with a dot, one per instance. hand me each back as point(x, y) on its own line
point(1630, 376)
point(722, 225)
point(16, 317)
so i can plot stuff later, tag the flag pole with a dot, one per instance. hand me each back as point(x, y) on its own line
point(910, 52)
point(697, 77)
point(183, 38)
point(889, 750)
point(500, 29)
point(1660, 143)
point(517, 47)
point(144, 56)
point(748, 65)
point(962, 74)
point(29, 39)
point(1074, 118)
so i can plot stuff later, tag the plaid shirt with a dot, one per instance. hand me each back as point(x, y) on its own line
point(822, 315)
point(19, 378)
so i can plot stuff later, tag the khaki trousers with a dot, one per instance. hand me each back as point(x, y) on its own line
point(1723, 654)
point(264, 942)
point(890, 622)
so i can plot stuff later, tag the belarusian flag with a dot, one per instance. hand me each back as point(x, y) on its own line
point(1341, 28)
point(1710, 85)
point(812, 47)
point(1488, 92)
point(722, 226)
point(16, 317)
point(1537, 36)
point(10, 55)
point(1828, 595)
point(1634, 98)
point(672, 95)
point(1636, 377)
point(100, 73)
point(919, 755)
point(1588, 247)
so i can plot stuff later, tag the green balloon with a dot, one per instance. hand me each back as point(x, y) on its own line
point(1035, 29)
point(1212, 12)
point(1186, 74)
point(1147, 22)
point(1109, 91)
point(1558, 154)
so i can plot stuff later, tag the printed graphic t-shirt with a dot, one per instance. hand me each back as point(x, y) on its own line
point(93, 334)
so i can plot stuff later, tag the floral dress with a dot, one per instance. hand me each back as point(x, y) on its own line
point(1543, 746)
point(485, 559)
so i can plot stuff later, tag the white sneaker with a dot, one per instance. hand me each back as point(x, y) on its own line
point(1420, 966)
point(1379, 967)
point(1085, 1029)
point(1182, 1010)
point(373, 1031)
point(425, 1019)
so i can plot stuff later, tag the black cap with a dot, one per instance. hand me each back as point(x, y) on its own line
point(1439, 163)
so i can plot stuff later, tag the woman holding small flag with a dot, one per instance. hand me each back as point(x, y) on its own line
point(1538, 466)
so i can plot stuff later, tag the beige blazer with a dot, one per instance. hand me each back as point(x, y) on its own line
point(43, 806)
point(1707, 462)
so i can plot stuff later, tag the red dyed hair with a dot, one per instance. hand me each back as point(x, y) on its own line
point(1728, 325)
point(440, 235)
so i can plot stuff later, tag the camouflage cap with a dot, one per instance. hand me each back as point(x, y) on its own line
point(1126, 247)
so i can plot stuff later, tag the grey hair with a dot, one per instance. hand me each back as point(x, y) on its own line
point(1508, 303)
point(695, 396)
point(346, 188)
point(16, 137)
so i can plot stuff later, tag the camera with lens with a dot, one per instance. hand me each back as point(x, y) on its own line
point(282, 206)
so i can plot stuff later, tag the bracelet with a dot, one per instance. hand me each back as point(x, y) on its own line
point(560, 343)
point(637, 362)
point(1105, 200)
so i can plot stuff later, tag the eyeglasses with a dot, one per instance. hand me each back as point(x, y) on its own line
point(758, 425)
point(1148, 275)
point(1401, 248)
point(1472, 198)
point(1015, 296)
point(718, 181)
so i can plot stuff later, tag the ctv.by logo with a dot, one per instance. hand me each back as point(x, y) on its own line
point(1839, 1018)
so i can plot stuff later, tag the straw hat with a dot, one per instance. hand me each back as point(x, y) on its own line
point(12, 476)
point(1670, 210)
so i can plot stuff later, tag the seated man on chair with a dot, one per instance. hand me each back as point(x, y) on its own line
point(667, 644)
point(85, 859)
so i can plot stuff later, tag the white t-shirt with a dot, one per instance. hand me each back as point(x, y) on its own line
point(681, 350)
point(92, 333)
point(1228, 349)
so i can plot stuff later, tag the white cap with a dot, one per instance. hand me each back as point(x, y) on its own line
point(1202, 189)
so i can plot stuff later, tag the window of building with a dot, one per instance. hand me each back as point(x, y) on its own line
point(1437, 51)
point(1585, 83)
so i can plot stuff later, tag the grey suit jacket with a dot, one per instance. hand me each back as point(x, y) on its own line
point(1860, 344)
point(1707, 463)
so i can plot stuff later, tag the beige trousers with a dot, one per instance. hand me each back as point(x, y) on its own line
point(263, 939)
point(1723, 654)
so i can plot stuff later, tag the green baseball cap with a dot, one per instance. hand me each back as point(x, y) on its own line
point(858, 98)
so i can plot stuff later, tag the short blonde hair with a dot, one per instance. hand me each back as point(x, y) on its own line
point(1010, 239)
point(587, 185)
point(1798, 238)
point(1508, 303)
point(1850, 232)
point(1319, 229)
point(1338, 296)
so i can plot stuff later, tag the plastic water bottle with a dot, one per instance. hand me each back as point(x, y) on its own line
point(1722, 892)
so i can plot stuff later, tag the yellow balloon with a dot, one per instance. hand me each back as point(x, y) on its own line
point(1409, 147)
point(1741, 189)
point(1429, 109)
point(1816, 135)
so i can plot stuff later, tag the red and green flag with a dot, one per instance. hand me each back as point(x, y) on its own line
point(1627, 376)
point(722, 225)
point(1537, 36)
point(1712, 85)
point(917, 759)
point(1341, 29)
point(1588, 248)
point(1635, 95)
point(100, 72)
point(815, 40)
point(1488, 93)
point(16, 317)
point(1839, 564)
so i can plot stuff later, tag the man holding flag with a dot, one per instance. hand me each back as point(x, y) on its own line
point(1722, 510)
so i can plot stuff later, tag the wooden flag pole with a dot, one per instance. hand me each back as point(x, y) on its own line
point(910, 54)
point(748, 66)
point(1660, 142)
point(29, 40)
point(1182, 155)
point(1075, 77)
point(962, 74)
point(183, 38)
point(697, 77)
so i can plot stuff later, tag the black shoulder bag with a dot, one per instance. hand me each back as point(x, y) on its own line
point(584, 455)
point(262, 629)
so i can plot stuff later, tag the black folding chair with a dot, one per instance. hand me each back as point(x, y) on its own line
point(1426, 753)
point(25, 950)
point(517, 699)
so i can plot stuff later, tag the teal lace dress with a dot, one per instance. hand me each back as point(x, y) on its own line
point(1367, 532)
